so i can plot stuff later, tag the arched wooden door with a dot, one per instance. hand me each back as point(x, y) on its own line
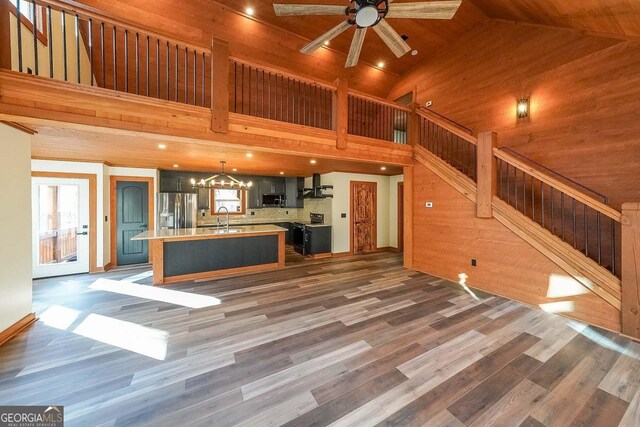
point(363, 217)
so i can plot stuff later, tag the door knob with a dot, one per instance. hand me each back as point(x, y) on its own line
point(84, 233)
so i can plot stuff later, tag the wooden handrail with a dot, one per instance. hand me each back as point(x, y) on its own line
point(448, 126)
point(555, 183)
point(270, 69)
point(377, 100)
point(87, 12)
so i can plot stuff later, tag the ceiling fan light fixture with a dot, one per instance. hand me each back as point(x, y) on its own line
point(367, 16)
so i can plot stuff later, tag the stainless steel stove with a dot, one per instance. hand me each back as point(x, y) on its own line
point(301, 234)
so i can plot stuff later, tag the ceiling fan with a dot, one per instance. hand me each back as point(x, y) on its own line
point(369, 13)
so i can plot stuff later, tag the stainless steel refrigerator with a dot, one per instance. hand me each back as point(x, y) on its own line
point(176, 210)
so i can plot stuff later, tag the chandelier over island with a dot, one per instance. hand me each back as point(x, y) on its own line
point(221, 180)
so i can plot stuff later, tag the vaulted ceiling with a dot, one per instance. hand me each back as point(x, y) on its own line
point(608, 18)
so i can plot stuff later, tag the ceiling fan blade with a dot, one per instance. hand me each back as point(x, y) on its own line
point(424, 10)
point(392, 39)
point(308, 9)
point(329, 35)
point(356, 47)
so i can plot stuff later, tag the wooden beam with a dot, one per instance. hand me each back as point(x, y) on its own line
point(341, 113)
point(487, 174)
point(5, 35)
point(631, 270)
point(219, 86)
point(408, 217)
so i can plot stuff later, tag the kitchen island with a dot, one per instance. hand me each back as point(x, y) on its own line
point(200, 253)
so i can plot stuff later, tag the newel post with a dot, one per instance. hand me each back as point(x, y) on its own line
point(219, 86)
point(487, 173)
point(5, 35)
point(631, 270)
point(414, 126)
point(341, 113)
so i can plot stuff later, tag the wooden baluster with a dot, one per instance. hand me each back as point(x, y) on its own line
point(220, 86)
point(5, 35)
point(341, 113)
point(631, 269)
point(487, 174)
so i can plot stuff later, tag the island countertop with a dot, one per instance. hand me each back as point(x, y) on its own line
point(182, 233)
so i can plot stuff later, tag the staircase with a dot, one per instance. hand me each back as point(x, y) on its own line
point(568, 223)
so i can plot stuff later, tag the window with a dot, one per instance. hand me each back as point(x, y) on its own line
point(27, 17)
point(231, 199)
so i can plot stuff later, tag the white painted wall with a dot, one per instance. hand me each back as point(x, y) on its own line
point(341, 197)
point(15, 226)
point(103, 174)
point(393, 209)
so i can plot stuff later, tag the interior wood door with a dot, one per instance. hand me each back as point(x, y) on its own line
point(363, 217)
point(132, 218)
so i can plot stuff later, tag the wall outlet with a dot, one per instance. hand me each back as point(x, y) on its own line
point(428, 205)
point(474, 263)
point(253, 213)
point(286, 212)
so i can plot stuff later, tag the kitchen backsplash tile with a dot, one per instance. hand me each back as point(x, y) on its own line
point(322, 206)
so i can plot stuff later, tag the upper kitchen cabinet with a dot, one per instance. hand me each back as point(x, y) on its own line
point(204, 198)
point(272, 185)
point(177, 181)
point(294, 188)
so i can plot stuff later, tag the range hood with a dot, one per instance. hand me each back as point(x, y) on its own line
point(317, 190)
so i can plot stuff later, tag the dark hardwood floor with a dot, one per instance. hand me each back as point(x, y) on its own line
point(354, 341)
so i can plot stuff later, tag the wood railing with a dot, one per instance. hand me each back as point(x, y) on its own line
point(260, 92)
point(88, 49)
point(457, 148)
point(57, 245)
point(377, 118)
point(576, 218)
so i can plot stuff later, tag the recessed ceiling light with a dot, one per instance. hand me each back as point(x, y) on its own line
point(312, 161)
point(414, 52)
point(281, 173)
point(249, 155)
point(235, 169)
point(383, 168)
point(176, 166)
point(162, 146)
point(380, 64)
point(326, 42)
point(249, 11)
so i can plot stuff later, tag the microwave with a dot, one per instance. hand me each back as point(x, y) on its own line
point(273, 200)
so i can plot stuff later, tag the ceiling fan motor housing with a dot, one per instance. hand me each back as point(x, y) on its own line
point(367, 13)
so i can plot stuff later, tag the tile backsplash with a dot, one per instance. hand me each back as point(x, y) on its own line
point(322, 206)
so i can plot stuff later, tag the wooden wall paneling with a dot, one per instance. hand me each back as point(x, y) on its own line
point(408, 227)
point(219, 86)
point(487, 170)
point(5, 34)
point(93, 220)
point(341, 113)
point(584, 94)
point(631, 270)
point(449, 235)
point(113, 212)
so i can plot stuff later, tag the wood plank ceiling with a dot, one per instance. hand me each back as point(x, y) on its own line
point(121, 150)
point(426, 36)
point(604, 17)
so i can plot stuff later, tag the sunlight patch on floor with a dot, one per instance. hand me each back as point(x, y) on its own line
point(125, 335)
point(59, 317)
point(185, 299)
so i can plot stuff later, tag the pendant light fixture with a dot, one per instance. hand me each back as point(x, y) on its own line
point(221, 180)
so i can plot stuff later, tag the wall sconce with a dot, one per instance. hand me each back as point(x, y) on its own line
point(522, 108)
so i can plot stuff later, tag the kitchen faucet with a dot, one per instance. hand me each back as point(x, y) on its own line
point(227, 211)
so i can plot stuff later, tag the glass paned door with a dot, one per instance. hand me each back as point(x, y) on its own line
point(60, 226)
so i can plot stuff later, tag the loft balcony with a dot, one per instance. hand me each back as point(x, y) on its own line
point(83, 73)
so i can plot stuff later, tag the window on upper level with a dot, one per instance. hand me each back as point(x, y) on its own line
point(28, 17)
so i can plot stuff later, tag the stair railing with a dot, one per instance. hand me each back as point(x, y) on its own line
point(454, 146)
point(573, 216)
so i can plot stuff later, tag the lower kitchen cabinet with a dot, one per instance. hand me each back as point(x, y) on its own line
point(318, 240)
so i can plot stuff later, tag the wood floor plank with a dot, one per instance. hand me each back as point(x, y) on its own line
point(602, 410)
